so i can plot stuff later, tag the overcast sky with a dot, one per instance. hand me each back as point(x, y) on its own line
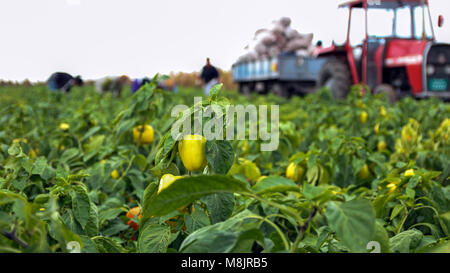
point(95, 38)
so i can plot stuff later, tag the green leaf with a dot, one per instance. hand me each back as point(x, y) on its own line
point(7, 197)
point(353, 222)
point(215, 91)
point(114, 228)
point(312, 175)
point(20, 183)
point(397, 210)
point(124, 126)
point(140, 161)
point(15, 150)
point(154, 238)
point(69, 155)
point(445, 222)
point(379, 203)
point(437, 194)
point(405, 241)
point(189, 189)
point(246, 240)
point(95, 143)
point(41, 198)
point(165, 146)
point(93, 147)
point(381, 236)
point(88, 245)
point(5, 219)
point(218, 242)
point(275, 184)
point(410, 193)
point(92, 223)
point(91, 132)
point(109, 214)
point(108, 245)
point(221, 237)
point(220, 206)
point(220, 155)
point(81, 205)
point(39, 165)
point(196, 219)
point(149, 194)
point(443, 247)
point(27, 164)
point(315, 193)
point(49, 173)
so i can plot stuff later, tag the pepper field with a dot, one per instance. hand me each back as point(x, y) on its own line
point(364, 176)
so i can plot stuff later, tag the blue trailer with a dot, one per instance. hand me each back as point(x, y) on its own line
point(285, 74)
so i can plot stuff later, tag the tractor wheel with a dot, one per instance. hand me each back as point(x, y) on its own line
point(245, 89)
point(293, 89)
point(388, 90)
point(336, 76)
point(279, 89)
point(261, 88)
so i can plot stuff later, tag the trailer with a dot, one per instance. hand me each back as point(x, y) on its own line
point(285, 74)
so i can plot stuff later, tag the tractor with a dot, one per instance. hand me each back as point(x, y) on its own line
point(398, 54)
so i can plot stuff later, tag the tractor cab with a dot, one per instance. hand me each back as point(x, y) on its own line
point(391, 45)
point(385, 21)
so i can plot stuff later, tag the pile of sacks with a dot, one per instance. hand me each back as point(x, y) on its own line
point(280, 39)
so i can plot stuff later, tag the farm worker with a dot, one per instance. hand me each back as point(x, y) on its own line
point(63, 81)
point(111, 84)
point(138, 83)
point(209, 76)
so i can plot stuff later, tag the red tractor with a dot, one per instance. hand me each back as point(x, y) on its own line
point(394, 51)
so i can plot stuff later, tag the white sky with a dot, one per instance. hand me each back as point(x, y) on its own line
point(95, 38)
